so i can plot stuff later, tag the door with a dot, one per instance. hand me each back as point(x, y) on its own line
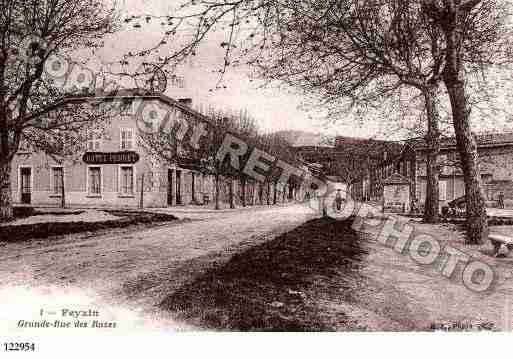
point(169, 187)
point(178, 187)
point(26, 188)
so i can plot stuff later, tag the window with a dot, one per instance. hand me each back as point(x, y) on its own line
point(93, 141)
point(442, 195)
point(126, 180)
point(57, 173)
point(95, 180)
point(442, 161)
point(127, 138)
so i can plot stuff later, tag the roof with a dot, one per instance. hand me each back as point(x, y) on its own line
point(482, 139)
point(396, 178)
point(498, 181)
point(304, 138)
point(119, 94)
point(334, 178)
point(368, 147)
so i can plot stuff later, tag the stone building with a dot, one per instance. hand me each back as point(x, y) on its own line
point(352, 159)
point(116, 170)
point(495, 152)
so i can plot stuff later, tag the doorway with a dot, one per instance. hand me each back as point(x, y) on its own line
point(26, 185)
point(170, 187)
point(178, 187)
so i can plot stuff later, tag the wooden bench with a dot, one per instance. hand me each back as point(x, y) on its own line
point(498, 240)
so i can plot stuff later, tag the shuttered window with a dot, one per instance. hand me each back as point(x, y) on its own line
point(127, 139)
point(95, 180)
point(57, 180)
point(127, 180)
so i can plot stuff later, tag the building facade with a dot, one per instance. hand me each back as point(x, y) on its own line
point(495, 151)
point(116, 170)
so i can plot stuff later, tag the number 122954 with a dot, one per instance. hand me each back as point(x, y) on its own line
point(15, 346)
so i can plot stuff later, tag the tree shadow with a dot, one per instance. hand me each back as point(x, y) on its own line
point(274, 286)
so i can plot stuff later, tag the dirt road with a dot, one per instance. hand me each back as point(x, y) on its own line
point(133, 269)
point(218, 260)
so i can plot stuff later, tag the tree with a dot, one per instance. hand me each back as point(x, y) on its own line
point(31, 32)
point(364, 52)
point(171, 142)
point(485, 20)
point(248, 131)
point(338, 50)
point(277, 145)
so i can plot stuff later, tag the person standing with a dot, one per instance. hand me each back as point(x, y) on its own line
point(338, 200)
point(414, 206)
point(501, 200)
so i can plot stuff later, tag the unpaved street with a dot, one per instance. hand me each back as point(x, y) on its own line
point(128, 273)
point(136, 269)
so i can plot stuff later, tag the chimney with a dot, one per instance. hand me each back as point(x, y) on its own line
point(186, 101)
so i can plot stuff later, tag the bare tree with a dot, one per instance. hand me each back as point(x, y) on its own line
point(338, 50)
point(64, 133)
point(364, 52)
point(30, 32)
point(484, 19)
point(247, 130)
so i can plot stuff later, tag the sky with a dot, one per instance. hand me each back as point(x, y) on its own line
point(274, 108)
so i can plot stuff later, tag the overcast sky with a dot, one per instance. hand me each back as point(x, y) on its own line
point(274, 108)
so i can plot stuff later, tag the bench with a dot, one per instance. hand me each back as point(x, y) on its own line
point(498, 240)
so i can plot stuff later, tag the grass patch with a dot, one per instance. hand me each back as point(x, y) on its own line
point(492, 220)
point(26, 211)
point(17, 233)
point(275, 286)
point(23, 212)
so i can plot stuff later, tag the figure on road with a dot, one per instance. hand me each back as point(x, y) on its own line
point(501, 200)
point(338, 200)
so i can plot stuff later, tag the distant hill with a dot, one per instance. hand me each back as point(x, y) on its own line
point(304, 138)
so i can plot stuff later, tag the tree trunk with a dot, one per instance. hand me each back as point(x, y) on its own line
point(268, 193)
point(193, 188)
point(141, 198)
point(477, 226)
point(217, 191)
point(431, 205)
point(243, 189)
point(275, 198)
point(260, 193)
point(232, 204)
point(6, 212)
point(63, 190)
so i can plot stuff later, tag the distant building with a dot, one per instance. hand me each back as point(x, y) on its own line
point(495, 152)
point(116, 170)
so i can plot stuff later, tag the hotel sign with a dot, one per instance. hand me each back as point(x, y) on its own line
point(110, 158)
